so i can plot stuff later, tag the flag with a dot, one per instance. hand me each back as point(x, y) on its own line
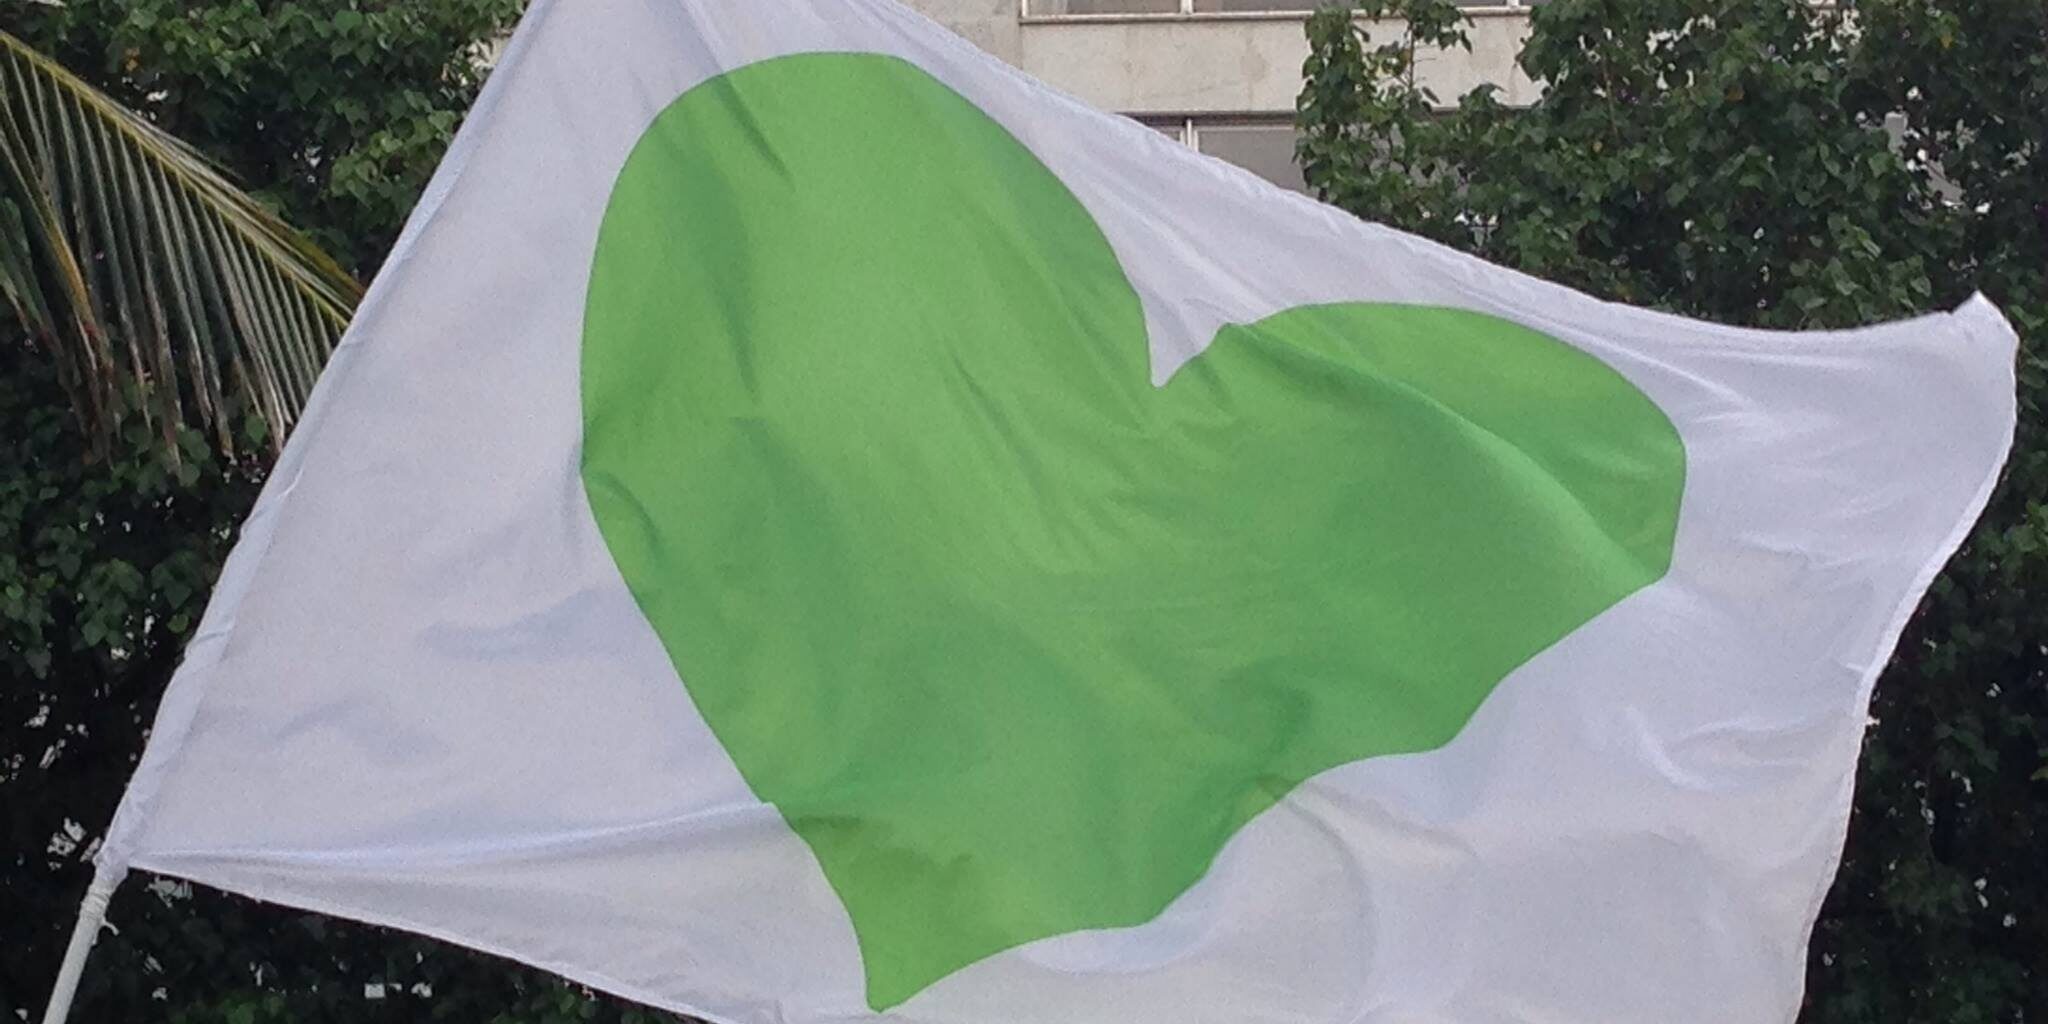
point(811, 525)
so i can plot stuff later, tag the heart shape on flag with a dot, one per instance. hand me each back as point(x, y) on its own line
point(1014, 640)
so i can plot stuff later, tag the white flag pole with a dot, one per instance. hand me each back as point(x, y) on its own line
point(92, 913)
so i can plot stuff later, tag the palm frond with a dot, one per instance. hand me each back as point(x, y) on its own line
point(155, 282)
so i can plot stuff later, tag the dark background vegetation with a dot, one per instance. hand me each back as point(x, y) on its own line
point(1726, 159)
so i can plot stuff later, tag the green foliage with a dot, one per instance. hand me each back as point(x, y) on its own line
point(1730, 159)
point(148, 278)
point(335, 112)
point(1370, 140)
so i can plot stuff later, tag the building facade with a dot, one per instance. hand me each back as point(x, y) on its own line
point(1219, 75)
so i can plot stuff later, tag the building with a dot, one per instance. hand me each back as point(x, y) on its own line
point(1219, 75)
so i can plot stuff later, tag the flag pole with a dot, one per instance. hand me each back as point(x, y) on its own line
point(92, 913)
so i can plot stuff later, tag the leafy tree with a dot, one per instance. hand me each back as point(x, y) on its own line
point(333, 113)
point(1773, 163)
point(148, 277)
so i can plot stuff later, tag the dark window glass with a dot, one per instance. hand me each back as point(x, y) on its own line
point(1266, 150)
point(1058, 7)
point(1248, 6)
point(1253, 6)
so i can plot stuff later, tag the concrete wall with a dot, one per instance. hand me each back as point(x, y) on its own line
point(993, 25)
point(1197, 64)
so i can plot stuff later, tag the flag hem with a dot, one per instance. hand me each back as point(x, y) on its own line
point(1980, 321)
point(322, 905)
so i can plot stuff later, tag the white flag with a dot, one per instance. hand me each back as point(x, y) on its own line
point(811, 525)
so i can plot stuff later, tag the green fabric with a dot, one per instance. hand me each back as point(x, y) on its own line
point(1014, 640)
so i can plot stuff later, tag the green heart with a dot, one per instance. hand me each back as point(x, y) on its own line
point(1014, 640)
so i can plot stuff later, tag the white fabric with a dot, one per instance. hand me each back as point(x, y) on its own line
point(423, 696)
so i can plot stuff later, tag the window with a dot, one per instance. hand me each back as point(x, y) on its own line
point(1071, 8)
point(1261, 144)
point(1061, 8)
point(1275, 6)
point(1249, 6)
point(1266, 150)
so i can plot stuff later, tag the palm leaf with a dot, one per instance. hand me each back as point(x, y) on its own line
point(156, 283)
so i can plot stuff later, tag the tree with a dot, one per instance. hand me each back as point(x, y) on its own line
point(146, 276)
point(333, 113)
point(1774, 163)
